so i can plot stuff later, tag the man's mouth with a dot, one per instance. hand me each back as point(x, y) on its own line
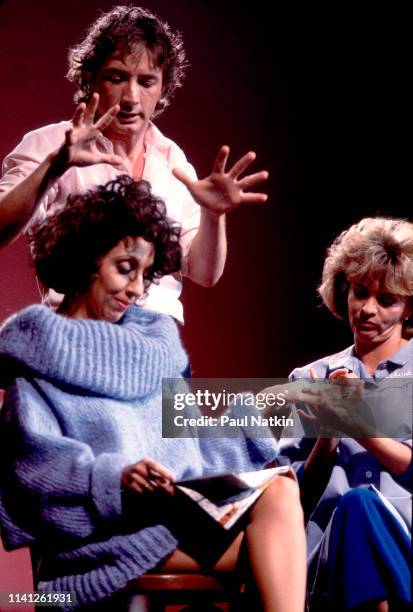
point(126, 116)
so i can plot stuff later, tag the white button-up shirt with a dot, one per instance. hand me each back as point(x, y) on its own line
point(162, 155)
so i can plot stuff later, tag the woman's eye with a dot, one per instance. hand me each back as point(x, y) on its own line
point(124, 269)
point(360, 293)
point(386, 300)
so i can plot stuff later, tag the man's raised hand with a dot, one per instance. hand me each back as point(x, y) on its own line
point(223, 190)
point(80, 147)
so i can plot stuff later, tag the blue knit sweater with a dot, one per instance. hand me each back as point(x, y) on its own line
point(84, 400)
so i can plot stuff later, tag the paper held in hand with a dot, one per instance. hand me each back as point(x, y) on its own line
point(226, 497)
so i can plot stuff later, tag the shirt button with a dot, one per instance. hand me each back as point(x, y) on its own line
point(369, 474)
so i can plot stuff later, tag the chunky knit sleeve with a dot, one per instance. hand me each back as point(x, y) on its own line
point(52, 486)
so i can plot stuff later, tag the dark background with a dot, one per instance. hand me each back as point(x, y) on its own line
point(317, 92)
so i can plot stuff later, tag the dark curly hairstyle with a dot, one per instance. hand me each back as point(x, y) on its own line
point(127, 27)
point(67, 248)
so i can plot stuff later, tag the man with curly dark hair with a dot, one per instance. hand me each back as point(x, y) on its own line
point(126, 71)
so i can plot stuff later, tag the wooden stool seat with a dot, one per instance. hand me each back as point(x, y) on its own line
point(190, 581)
point(189, 588)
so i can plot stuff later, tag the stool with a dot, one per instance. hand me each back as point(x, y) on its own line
point(153, 592)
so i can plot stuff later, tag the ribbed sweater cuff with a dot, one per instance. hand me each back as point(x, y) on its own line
point(106, 485)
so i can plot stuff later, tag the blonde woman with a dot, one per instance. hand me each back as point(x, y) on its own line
point(359, 552)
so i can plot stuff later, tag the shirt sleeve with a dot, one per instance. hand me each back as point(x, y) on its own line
point(21, 162)
point(190, 211)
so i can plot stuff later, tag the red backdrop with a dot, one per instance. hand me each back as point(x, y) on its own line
point(314, 93)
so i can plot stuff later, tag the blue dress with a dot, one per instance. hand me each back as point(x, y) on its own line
point(358, 533)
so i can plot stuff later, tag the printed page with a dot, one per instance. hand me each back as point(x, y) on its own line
point(227, 514)
point(260, 477)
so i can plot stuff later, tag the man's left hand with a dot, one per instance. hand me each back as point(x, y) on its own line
point(223, 190)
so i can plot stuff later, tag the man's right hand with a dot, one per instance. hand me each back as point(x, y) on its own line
point(19, 205)
point(80, 147)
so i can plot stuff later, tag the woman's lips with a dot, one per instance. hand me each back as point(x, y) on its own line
point(122, 305)
point(365, 325)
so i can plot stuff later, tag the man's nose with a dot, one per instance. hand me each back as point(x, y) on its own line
point(136, 287)
point(131, 93)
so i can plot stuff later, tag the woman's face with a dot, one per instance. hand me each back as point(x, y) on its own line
point(118, 282)
point(375, 314)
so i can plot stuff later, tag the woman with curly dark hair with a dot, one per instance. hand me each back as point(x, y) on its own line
point(72, 249)
point(85, 474)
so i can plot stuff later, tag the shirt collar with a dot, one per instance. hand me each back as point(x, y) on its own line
point(344, 359)
point(402, 356)
point(348, 359)
point(154, 140)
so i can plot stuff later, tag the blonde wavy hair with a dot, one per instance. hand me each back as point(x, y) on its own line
point(380, 249)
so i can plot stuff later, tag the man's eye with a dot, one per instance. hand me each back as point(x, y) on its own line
point(114, 78)
point(147, 82)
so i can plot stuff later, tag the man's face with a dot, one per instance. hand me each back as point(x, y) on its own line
point(131, 80)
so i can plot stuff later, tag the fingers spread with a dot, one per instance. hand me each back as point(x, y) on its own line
point(181, 176)
point(254, 198)
point(91, 109)
point(107, 118)
point(221, 160)
point(241, 164)
point(79, 114)
point(253, 179)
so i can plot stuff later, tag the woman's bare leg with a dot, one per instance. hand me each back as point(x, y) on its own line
point(277, 547)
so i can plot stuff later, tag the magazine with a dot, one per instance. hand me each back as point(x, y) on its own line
point(226, 497)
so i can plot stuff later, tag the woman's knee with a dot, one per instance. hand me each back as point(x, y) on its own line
point(281, 498)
